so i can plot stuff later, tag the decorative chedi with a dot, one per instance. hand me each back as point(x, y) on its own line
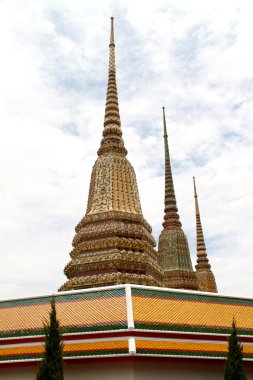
point(113, 242)
point(173, 250)
point(204, 274)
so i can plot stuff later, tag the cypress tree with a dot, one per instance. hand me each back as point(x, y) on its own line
point(51, 367)
point(234, 369)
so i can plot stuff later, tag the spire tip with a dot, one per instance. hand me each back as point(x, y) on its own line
point(112, 44)
point(195, 190)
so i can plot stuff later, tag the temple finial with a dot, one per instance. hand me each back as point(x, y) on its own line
point(164, 125)
point(112, 135)
point(171, 217)
point(204, 274)
point(112, 32)
point(195, 197)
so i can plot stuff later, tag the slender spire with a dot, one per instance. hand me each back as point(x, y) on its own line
point(173, 249)
point(202, 260)
point(206, 279)
point(112, 134)
point(171, 217)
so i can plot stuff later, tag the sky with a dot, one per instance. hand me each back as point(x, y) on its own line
point(193, 57)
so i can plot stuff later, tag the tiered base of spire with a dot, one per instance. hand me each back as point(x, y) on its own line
point(205, 276)
point(119, 272)
point(174, 258)
point(180, 279)
point(112, 247)
point(206, 280)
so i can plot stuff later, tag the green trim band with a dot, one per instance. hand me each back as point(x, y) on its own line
point(190, 328)
point(182, 353)
point(188, 353)
point(190, 297)
point(83, 329)
point(66, 355)
point(63, 298)
point(95, 352)
point(19, 357)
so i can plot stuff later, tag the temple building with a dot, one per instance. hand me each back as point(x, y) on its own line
point(127, 311)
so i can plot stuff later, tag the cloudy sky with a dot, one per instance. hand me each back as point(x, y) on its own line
point(193, 57)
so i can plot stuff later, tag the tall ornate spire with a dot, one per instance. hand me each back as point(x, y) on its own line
point(205, 276)
point(113, 242)
point(112, 135)
point(171, 217)
point(173, 250)
point(201, 247)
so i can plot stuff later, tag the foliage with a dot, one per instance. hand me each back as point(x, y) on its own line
point(234, 369)
point(51, 367)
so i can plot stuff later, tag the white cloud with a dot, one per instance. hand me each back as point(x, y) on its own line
point(193, 57)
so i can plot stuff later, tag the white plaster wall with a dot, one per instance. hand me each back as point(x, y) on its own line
point(148, 370)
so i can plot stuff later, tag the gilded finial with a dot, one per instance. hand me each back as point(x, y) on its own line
point(164, 124)
point(195, 197)
point(112, 32)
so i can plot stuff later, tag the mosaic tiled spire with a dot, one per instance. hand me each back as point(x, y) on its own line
point(173, 250)
point(171, 217)
point(112, 135)
point(113, 242)
point(205, 276)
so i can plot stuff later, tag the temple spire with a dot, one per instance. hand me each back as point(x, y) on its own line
point(113, 243)
point(201, 247)
point(173, 249)
point(171, 217)
point(112, 135)
point(204, 274)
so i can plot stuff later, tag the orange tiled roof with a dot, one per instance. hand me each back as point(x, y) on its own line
point(33, 352)
point(125, 320)
point(187, 348)
point(180, 311)
point(77, 311)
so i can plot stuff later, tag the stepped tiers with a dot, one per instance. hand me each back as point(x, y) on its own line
point(113, 242)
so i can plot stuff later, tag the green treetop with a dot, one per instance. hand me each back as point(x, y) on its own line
point(51, 367)
point(234, 369)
